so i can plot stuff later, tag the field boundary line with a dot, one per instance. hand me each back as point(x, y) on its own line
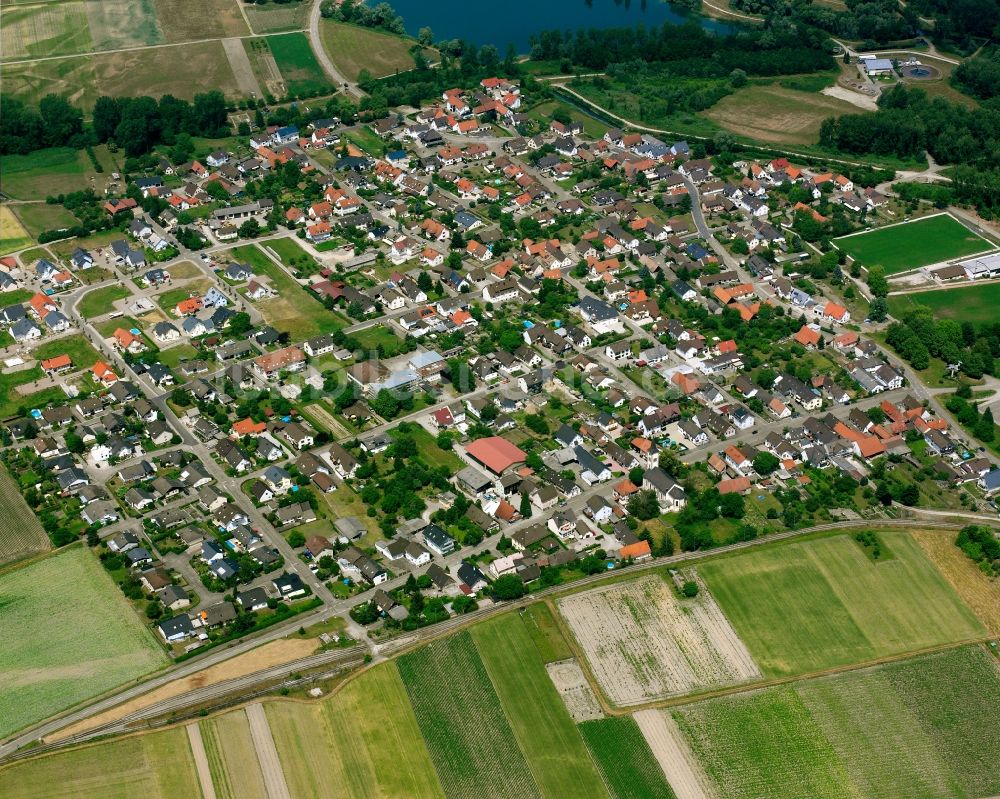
point(742, 688)
point(201, 760)
point(267, 752)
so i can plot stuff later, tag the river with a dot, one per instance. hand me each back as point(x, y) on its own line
point(515, 21)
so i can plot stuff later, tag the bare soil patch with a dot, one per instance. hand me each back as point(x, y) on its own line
point(671, 751)
point(643, 642)
point(273, 653)
point(182, 71)
point(978, 591)
point(854, 98)
point(576, 693)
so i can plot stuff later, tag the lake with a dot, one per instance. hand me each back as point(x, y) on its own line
point(514, 21)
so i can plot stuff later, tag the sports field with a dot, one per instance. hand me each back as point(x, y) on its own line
point(68, 635)
point(977, 304)
point(21, 535)
point(362, 742)
point(808, 606)
point(898, 248)
point(552, 743)
point(923, 728)
point(154, 766)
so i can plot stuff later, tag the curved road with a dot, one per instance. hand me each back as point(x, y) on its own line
point(316, 42)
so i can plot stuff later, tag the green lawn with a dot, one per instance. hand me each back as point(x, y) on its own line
point(898, 248)
point(11, 400)
point(625, 759)
point(99, 301)
point(297, 63)
point(295, 310)
point(808, 606)
point(432, 453)
point(289, 251)
point(69, 634)
point(172, 356)
point(973, 303)
point(923, 728)
point(154, 766)
point(370, 338)
point(76, 347)
point(472, 745)
point(363, 742)
point(548, 737)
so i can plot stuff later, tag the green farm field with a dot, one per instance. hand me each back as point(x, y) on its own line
point(46, 29)
point(625, 759)
point(277, 17)
point(21, 535)
point(69, 635)
point(920, 728)
point(976, 304)
point(232, 758)
point(552, 743)
point(808, 606)
point(363, 742)
point(902, 247)
point(154, 766)
point(458, 710)
point(297, 63)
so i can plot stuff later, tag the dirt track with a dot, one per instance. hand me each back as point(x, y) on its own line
point(671, 751)
point(267, 753)
point(201, 761)
point(270, 654)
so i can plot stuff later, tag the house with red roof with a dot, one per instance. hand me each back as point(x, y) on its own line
point(495, 453)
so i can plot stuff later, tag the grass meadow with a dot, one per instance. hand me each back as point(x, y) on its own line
point(68, 635)
point(808, 606)
point(923, 728)
point(294, 310)
point(154, 766)
point(353, 48)
point(100, 301)
point(898, 248)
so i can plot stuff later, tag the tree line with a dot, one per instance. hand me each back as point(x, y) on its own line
point(919, 336)
point(135, 124)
